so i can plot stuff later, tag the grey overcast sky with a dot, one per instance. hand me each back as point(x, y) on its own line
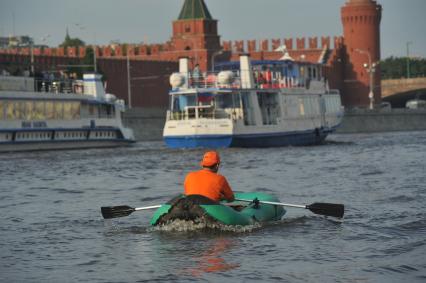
point(135, 21)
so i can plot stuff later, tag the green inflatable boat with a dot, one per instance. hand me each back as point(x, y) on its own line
point(195, 207)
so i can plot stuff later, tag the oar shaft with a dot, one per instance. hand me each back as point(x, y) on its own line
point(328, 209)
point(148, 207)
point(274, 203)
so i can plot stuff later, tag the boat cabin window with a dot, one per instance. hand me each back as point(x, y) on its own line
point(50, 110)
point(269, 107)
point(59, 110)
point(179, 102)
point(74, 110)
point(40, 110)
point(105, 110)
point(67, 111)
point(248, 109)
point(205, 98)
point(204, 105)
point(20, 110)
point(227, 100)
point(93, 110)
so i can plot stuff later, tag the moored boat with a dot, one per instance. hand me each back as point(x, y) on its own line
point(251, 104)
point(59, 114)
point(199, 208)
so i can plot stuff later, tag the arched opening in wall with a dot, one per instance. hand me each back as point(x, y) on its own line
point(188, 48)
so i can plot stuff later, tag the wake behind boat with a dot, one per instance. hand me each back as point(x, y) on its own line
point(59, 114)
point(259, 104)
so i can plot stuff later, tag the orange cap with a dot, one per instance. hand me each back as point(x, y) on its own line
point(210, 158)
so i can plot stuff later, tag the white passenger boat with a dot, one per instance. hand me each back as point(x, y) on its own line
point(49, 114)
point(251, 104)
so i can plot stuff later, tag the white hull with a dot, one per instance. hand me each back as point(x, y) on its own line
point(288, 127)
point(290, 105)
point(33, 146)
point(31, 120)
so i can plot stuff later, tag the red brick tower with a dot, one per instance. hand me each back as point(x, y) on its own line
point(195, 33)
point(361, 31)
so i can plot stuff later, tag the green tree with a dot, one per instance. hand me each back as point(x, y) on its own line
point(71, 42)
point(396, 67)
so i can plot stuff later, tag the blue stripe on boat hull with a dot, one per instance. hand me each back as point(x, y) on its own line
point(198, 141)
point(280, 139)
point(310, 137)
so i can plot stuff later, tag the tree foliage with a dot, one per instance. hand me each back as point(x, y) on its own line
point(72, 42)
point(396, 67)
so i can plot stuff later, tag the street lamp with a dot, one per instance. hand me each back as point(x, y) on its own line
point(214, 55)
point(129, 86)
point(32, 67)
point(371, 69)
point(408, 58)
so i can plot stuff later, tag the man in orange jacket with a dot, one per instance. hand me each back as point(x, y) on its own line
point(207, 182)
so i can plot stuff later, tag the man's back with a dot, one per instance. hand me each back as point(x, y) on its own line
point(209, 184)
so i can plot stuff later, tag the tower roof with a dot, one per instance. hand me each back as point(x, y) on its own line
point(361, 2)
point(194, 9)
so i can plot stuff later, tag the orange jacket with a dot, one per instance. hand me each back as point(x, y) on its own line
point(209, 184)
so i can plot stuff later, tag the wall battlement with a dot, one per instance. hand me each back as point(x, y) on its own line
point(269, 45)
point(159, 50)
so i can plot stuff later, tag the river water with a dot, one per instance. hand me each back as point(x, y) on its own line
point(51, 229)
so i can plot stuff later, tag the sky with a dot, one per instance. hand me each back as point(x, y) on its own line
point(150, 21)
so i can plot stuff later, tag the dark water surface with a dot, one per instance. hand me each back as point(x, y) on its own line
point(51, 229)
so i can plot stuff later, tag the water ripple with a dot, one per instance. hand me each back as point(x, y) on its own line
point(52, 229)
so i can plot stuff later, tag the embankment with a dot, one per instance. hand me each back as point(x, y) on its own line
point(384, 120)
point(148, 123)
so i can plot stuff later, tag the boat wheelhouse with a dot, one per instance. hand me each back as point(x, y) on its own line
point(251, 104)
point(58, 114)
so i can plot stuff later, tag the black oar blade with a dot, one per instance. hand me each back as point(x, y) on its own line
point(109, 212)
point(328, 209)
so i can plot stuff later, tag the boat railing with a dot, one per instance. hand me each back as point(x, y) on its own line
point(198, 112)
point(211, 80)
point(59, 86)
point(44, 85)
point(272, 80)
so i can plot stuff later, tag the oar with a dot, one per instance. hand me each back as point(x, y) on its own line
point(109, 212)
point(328, 209)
